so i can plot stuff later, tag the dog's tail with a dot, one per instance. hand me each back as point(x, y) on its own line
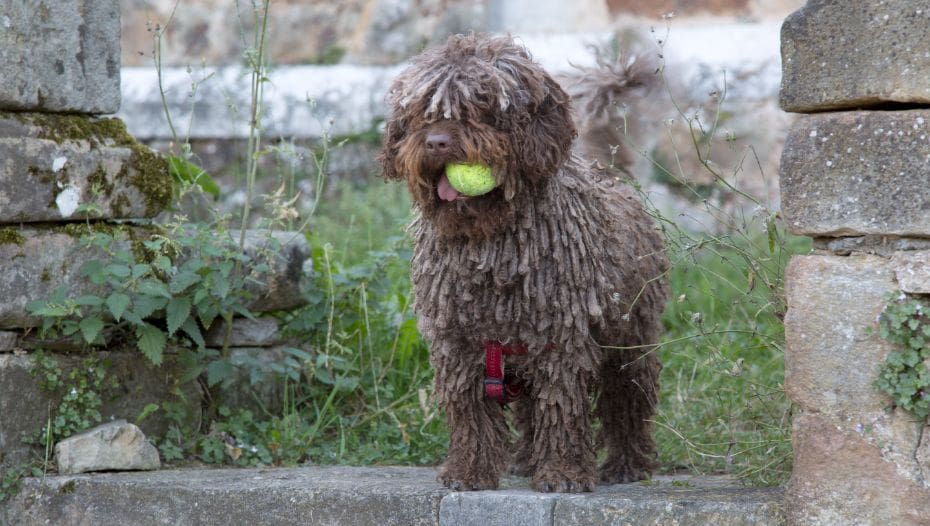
point(609, 100)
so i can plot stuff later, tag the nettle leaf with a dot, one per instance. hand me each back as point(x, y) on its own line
point(117, 304)
point(154, 287)
point(88, 300)
point(118, 270)
point(151, 341)
point(219, 370)
point(140, 270)
point(191, 328)
point(90, 328)
point(163, 264)
point(220, 287)
point(177, 311)
point(182, 280)
point(145, 306)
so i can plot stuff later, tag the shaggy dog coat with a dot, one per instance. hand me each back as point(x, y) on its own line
point(560, 259)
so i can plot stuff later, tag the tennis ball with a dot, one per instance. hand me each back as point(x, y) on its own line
point(470, 179)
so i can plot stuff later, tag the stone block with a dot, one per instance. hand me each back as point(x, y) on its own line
point(8, 340)
point(858, 173)
point(35, 261)
point(113, 446)
point(52, 164)
point(912, 270)
point(254, 385)
point(60, 55)
point(286, 254)
point(832, 358)
point(837, 54)
point(25, 407)
point(260, 332)
point(840, 477)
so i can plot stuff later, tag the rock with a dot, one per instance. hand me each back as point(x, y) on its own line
point(36, 261)
point(285, 253)
point(8, 340)
point(25, 406)
point(52, 164)
point(832, 348)
point(260, 332)
point(837, 55)
point(60, 56)
point(912, 270)
point(858, 173)
point(839, 477)
point(114, 446)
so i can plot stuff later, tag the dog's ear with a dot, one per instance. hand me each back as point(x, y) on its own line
point(393, 133)
point(546, 141)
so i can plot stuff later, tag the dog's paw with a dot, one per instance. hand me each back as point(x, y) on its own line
point(622, 473)
point(555, 481)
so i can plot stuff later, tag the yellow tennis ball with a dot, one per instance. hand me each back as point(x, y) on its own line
point(470, 179)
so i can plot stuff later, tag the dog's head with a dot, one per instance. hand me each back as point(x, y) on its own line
point(477, 99)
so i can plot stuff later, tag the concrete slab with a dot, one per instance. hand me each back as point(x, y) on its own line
point(383, 496)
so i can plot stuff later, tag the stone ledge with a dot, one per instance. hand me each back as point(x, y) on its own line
point(383, 496)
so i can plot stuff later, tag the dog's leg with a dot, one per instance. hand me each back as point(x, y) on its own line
point(520, 463)
point(629, 386)
point(563, 449)
point(477, 429)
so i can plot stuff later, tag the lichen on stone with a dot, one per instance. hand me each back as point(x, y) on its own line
point(9, 236)
point(146, 170)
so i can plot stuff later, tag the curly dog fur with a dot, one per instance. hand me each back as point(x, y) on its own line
point(560, 258)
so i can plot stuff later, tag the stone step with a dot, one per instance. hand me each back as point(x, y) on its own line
point(382, 496)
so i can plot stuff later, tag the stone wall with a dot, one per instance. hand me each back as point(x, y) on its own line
point(385, 32)
point(66, 171)
point(854, 176)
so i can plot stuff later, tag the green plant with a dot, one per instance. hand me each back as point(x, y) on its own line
point(79, 390)
point(904, 375)
point(151, 292)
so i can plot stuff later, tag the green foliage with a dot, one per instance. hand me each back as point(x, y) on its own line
point(904, 375)
point(79, 392)
point(10, 477)
point(187, 173)
point(722, 407)
point(165, 289)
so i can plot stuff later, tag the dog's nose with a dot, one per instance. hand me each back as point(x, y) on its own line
point(437, 142)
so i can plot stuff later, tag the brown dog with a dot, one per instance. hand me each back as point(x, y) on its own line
point(556, 263)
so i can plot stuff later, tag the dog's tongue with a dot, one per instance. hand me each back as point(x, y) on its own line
point(446, 192)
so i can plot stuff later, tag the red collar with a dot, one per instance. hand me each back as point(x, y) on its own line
point(495, 385)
